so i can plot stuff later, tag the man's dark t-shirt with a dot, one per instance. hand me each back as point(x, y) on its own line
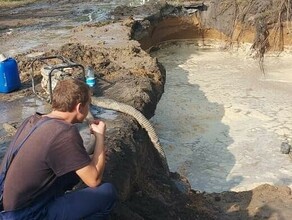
point(52, 152)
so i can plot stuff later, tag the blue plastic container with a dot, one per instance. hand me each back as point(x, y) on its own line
point(9, 76)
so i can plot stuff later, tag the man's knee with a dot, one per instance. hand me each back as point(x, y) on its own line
point(110, 191)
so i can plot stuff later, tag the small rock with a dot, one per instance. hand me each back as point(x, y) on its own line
point(217, 198)
point(234, 208)
point(9, 128)
point(285, 147)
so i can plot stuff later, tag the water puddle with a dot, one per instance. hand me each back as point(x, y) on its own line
point(103, 113)
point(221, 120)
point(22, 108)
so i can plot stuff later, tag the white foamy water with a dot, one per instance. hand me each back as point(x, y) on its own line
point(222, 121)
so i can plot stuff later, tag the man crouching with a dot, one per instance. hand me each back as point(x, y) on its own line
point(51, 159)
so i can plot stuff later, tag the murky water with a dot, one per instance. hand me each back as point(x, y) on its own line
point(221, 120)
point(21, 109)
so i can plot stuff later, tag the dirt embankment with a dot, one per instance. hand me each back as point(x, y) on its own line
point(128, 74)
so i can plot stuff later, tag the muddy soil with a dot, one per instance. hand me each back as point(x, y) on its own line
point(126, 73)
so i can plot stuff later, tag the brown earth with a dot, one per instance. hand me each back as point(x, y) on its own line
point(128, 74)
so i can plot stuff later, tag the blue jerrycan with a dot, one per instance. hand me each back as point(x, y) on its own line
point(9, 76)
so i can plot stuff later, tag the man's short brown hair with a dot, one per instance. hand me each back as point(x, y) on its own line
point(68, 93)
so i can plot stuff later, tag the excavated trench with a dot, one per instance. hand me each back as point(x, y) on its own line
point(215, 153)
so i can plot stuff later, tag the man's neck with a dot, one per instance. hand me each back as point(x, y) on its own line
point(66, 116)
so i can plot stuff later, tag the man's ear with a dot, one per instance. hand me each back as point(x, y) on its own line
point(79, 108)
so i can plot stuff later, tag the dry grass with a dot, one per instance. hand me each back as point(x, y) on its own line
point(14, 3)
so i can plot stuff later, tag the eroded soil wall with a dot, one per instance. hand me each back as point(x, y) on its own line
point(210, 20)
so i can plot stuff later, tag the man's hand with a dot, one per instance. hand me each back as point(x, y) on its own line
point(98, 127)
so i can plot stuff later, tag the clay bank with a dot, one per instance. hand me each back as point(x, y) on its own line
point(118, 52)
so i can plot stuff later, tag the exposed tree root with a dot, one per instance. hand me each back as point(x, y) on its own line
point(267, 17)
